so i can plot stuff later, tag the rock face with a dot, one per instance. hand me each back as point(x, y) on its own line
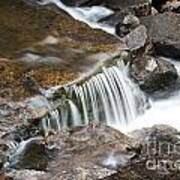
point(90, 152)
point(43, 47)
point(153, 74)
point(100, 152)
point(163, 29)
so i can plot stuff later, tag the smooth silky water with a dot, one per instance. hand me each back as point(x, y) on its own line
point(110, 97)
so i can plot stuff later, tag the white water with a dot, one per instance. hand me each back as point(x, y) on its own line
point(108, 97)
point(164, 111)
point(89, 16)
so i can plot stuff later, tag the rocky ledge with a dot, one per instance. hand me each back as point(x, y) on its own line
point(100, 152)
point(43, 46)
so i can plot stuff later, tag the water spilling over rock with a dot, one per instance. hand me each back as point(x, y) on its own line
point(108, 97)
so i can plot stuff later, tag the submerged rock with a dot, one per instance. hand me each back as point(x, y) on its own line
point(163, 30)
point(153, 74)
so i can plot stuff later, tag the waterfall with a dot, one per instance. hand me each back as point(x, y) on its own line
point(108, 97)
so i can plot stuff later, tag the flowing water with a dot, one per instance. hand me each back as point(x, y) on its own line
point(87, 15)
point(109, 97)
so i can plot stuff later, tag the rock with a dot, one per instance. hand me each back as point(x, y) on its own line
point(173, 6)
point(43, 50)
point(32, 154)
point(136, 39)
point(129, 23)
point(130, 11)
point(159, 155)
point(153, 74)
point(157, 4)
point(89, 152)
point(163, 30)
point(5, 177)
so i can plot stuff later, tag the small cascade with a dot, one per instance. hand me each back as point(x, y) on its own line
point(108, 97)
point(87, 15)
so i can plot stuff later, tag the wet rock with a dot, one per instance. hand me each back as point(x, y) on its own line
point(31, 154)
point(152, 73)
point(159, 155)
point(136, 39)
point(129, 11)
point(90, 152)
point(44, 48)
point(129, 23)
point(163, 30)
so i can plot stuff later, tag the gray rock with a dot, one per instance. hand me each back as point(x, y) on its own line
point(164, 31)
point(153, 74)
point(128, 24)
point(136, 39)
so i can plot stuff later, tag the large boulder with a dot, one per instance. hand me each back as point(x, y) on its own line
point(46, 49)
point(164, 31)
point(153, 74)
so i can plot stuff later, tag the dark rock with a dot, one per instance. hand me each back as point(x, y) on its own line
point(32, 155)
point(153, 74)
point(164, 31)
point(157, 4)
point(127, 9)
